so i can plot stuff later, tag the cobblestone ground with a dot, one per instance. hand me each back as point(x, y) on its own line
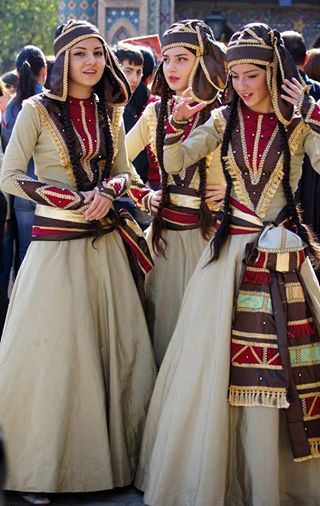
point(122, 497)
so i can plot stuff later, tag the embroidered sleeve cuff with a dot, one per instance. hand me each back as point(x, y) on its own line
point(49, 195)
point(174, 131)
point(310, 112)
point(146, 202)
point(113, 187)
point(140, 195)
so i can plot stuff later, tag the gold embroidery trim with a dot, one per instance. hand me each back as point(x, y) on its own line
point(57, 140)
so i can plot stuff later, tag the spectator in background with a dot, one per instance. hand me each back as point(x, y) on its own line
point(131, 60)
point(308, 193)
point(312, 65)
point(149, 67)
point(3, 217)
point(10, 81)
point(9, 237)
point(32, 72)
point(316, 43)
point(50, 59)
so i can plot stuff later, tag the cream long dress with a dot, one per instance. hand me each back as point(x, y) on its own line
point(167, 281)
point(76, 361)
point(197, 450)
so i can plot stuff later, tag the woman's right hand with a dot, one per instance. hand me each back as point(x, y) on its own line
point(155, 201)
point(183, 110)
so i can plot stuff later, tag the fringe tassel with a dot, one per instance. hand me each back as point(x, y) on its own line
point(302, 459)
point(314, 445)
point(257, 278)
point(254, 397)
point(302, 330)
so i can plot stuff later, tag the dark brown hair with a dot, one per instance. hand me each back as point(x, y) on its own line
point(312, 67)
point(158, 240)
point(223, 231)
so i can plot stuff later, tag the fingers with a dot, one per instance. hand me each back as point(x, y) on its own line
point(215, 192)
point(89, 196)
point(293, 90)
point(155, 201)
point(197, 107)
point(98, 208)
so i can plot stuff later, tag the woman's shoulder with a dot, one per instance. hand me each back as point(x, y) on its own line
point(220, 116)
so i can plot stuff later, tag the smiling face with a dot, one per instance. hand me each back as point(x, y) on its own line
point(249, 81)
point(177, 65)
point(86, 67)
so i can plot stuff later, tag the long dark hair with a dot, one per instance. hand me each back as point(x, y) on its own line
point(71, 140)
point(159, 242)
point(29, 63)
point(223, 230)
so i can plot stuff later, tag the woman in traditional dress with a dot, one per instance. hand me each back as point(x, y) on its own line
point(76, 362)
point(183, 222)
point(255, 306)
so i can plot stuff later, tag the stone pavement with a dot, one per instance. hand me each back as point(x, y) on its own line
point(128, 496)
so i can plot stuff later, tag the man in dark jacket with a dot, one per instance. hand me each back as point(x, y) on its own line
point(309, 187)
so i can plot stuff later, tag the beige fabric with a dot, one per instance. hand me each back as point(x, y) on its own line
point(198, 451)
point(205, 138)
point(33, 136)
point(166, 284)
point(76, 361)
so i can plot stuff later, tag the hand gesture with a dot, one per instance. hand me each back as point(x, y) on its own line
point(183, 110)
point(294, 91)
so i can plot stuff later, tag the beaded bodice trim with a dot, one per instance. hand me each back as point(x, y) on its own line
point(187, 181)
point(255, 159)
point(91, 152)
point(85, 121)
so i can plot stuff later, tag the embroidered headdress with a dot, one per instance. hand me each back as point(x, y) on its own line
point(258, 44)
point(115, 85)
point(208, 75)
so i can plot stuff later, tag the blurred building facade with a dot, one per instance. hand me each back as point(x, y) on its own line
point(121, 19)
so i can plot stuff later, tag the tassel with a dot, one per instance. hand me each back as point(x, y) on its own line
point(254, 397)
point(314, 445)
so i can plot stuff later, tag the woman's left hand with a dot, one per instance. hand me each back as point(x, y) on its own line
point(99, 206)
point(215, 195)
point(294, 91)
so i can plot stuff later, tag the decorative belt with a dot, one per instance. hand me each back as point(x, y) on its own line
point(52, 224)
point(180, 220)
point(242, 219)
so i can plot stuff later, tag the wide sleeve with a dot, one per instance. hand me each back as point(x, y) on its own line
point(138, 137)
point(118, 182)
point(178, 156)
point(14, 177)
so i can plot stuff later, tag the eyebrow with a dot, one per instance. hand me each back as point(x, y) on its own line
point(133, 68)
point(175, 55)
point(85, 48)
point(247, 72)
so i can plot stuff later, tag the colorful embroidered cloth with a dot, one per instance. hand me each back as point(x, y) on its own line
point(275, 345)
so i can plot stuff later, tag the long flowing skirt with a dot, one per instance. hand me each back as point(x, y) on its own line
point(76, 369)
point(167, 281)
point(197, 450)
